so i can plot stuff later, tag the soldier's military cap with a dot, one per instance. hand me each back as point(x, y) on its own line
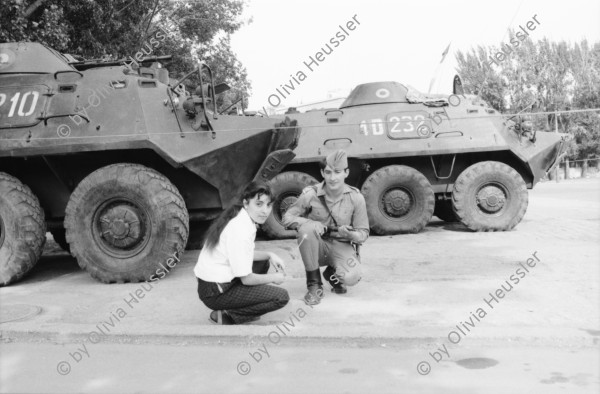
point(337, 160)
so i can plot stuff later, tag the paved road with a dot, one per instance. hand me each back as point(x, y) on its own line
point(306, 369)
point(420, 293)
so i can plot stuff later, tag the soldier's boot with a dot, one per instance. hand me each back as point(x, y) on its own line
point(314, 286)
point(336, 285)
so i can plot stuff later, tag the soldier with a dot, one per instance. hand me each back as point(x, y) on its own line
point(331, 219)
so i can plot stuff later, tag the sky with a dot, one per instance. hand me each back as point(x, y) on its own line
point(399, 41)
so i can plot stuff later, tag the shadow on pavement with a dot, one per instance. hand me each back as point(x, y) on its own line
point(440, 224)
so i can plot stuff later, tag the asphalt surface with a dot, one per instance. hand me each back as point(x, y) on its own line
point(433, 295)
point(110, 368)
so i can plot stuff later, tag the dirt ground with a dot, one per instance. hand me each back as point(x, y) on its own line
point(436, 294)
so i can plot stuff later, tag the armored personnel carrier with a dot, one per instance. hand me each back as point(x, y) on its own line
point(117, 160)
point(414, 155)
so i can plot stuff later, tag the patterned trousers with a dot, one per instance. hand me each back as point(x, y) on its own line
point(243, 303)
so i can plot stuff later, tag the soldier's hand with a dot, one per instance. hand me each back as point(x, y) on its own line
point(346, 232)
point(320, 228)
point(278, 278)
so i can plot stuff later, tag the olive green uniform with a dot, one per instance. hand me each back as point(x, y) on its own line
point(333, 250)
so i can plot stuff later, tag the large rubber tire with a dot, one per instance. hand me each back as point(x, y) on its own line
point(443, 210)
point(124, 222)
point(22, 229)
point(60, 237)
point(399, 200)
point(490, 196)
point(286, 188)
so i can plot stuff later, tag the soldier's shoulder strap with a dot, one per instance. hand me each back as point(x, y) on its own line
point(354, 189)
point(324, 203)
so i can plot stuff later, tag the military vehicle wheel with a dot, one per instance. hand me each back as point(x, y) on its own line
point(443, 210)
point(286, 187)
point(490, 196)
point(124, 221)
point(60, 237)
point(197, 233)
point(22, 229)
point(399, 200)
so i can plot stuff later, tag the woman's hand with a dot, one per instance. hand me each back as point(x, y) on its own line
point(277, 262)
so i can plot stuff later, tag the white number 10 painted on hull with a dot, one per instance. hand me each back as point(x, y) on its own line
point(376, 127)
point(18, 101)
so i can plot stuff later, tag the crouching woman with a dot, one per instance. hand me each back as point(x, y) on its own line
point(233, 278)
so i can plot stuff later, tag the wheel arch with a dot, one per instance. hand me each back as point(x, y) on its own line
point(53, 178)
point(361, 168)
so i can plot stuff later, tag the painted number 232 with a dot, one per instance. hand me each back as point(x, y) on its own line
point(406, 123)
point(397, 124)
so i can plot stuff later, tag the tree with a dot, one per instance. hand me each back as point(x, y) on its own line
point(113, 29)
point(18, 23)
point(542, 76)
point(586, 81)
point(480, 78)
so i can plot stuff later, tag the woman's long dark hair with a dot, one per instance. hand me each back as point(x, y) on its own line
point(252, 189)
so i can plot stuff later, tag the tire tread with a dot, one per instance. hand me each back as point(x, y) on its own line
point(461, 190)
point(393, 172)
point(27, 207)
point(170, 200)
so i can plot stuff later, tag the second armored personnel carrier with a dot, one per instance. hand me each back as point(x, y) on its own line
point(116, 161)
point(414, 155)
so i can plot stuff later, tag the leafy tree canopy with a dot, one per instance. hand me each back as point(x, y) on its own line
point(541, 76)
point(114, 29)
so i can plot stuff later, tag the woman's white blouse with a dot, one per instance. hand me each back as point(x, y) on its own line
point(234, 254)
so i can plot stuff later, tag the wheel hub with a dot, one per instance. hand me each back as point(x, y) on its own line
point(283, 203)
point(121, 226)
point(491, 199)
point(286, 203)
point(397, 202)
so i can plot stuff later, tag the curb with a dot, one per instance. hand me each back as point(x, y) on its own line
point(55, 337)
